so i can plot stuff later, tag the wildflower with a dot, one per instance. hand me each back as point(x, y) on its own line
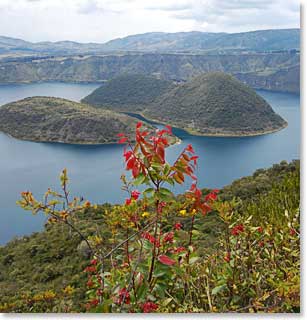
point(87, 204)
point(49, 295)
point(99, 279)
point(260, 229)
point(183, 212)
point(162, 204)
point(227, 257)
point(179, 250)
point(177, 226)
point(99, 292)
point(149, 307)
point(145, 214)
point(94, 262)
point(237, 229)
point(68, 290)
point(149, 237)
point(135, 194)
point(124, 296)
point(169, 237)
point(90, 283)
point(90, 269)
point(94, 302)
point(193, 212)
point(128, 202)
point(292, 232)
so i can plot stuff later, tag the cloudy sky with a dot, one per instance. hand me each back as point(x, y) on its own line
point(103, 20)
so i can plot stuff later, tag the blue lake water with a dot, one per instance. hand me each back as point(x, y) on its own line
point(95, 171)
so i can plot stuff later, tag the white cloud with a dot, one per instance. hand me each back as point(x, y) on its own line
point(102, 20)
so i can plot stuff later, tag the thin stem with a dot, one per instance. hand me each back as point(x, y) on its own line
point(130, 237)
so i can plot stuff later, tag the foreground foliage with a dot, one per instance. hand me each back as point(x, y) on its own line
point(156, 252)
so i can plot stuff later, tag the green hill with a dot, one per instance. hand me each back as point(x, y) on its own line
point(216, 104)
point(128, 92)
point(60, 120)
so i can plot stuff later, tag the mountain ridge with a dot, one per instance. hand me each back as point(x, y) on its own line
point(259, 40)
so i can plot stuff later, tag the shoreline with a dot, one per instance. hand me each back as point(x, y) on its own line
point(217, 135)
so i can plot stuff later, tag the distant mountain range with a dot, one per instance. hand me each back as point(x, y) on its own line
point(262, 40)
point(265, 59)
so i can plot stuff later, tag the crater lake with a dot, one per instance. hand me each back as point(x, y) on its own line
point(94, 171)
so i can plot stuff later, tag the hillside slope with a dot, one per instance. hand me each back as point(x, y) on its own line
point(257, 70)
point(216, 104)
point(55, 258)
point(128, 91)
point(60, 120)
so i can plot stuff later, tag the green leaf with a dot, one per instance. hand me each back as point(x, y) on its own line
point(167, 169)
point(165, 194)
point(166, 302)
point(148, 192)
point(170, 181)
point(160, 290)
point(218, 289)
point(193, 260)
point(139, 180)
point(141, 292)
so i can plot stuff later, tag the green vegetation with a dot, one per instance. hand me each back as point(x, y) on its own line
point(128, 92)
point(216, 104)
point(60, 120)
point(44, 272)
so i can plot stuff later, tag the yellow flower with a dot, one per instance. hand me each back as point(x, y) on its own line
point(193, 213)
point(49, 295)
point(183, 212)
point(68, 290)
point(146, 214)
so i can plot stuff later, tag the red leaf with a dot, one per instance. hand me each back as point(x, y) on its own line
point(123, 140)
point(128, 154)
point(161, 153)
point(189, 148)
point(138, 125)
point(130, 163)
point(169, 129)
point(135, 170)
point(166, 260)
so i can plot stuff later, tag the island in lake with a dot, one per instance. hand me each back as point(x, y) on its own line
point(213, 104)
point(49, 119)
